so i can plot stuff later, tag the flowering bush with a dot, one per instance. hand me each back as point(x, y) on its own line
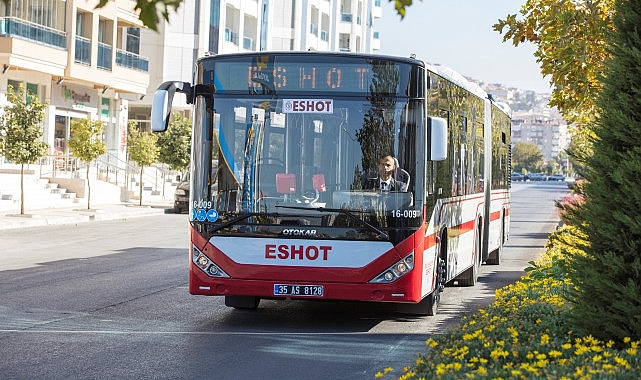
point(569, 203)
point(524, 334)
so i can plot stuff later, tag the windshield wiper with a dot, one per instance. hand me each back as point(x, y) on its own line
point(345, 211)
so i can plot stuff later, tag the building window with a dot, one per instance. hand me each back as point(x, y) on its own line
point(343, 42)
point(104, 44)
point(83, 43)
point(31, 89)
point(133, 40)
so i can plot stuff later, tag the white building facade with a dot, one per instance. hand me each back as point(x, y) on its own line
point(81, 60)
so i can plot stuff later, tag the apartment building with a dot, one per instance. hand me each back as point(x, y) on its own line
point(550, 135)
point(229, 26)
point(82, 61)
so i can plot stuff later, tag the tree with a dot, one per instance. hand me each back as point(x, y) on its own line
point(570, 37)
point(400, 6)
point(175, 144)
point(20, 133)
point(86, 143)
point(142, 150)
point(526, 156)
point(607, 278)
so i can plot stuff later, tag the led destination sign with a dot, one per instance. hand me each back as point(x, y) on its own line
point(304, 74)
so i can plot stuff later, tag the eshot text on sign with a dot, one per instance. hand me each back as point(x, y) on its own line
point(308, 106)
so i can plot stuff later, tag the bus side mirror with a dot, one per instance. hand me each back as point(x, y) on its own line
point(161, 104)
point(437, 129)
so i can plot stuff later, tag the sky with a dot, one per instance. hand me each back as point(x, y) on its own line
point(458, 34)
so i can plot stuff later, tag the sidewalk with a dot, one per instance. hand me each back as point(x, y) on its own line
point(77, 214)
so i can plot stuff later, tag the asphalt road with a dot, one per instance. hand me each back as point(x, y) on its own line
point(107, 300)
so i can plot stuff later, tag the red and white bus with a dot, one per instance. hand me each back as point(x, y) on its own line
point(285, 146)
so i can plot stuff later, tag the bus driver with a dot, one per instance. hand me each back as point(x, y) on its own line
point(390, 177)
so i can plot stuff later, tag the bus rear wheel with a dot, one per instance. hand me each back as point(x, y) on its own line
point(242, 302)
point(494, 258)
point(470, 276)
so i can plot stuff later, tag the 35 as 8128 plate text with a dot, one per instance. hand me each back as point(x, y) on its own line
point(298, 290)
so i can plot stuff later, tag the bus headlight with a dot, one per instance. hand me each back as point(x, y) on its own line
point(396, 271)
point(203, 262)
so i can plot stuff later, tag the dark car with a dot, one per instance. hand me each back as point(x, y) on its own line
point(556, 177)
point(181, 195)
point(516, 177)
point(536, 177)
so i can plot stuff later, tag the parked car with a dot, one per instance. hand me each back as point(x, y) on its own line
point(517, 177)
point(181, 195)
point(556, 177)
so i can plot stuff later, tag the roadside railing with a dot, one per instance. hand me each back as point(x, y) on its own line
point(108, 168)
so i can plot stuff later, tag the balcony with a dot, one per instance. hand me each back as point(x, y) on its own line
point(131, 60)
point(83, 50)
point(14, 27)
point(104, 56)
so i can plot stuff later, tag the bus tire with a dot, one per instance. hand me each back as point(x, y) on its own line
point(427, 306)
point(470, 276)
point(494, 258)
point(242, 302)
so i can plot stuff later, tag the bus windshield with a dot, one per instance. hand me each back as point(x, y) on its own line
point(316, 159)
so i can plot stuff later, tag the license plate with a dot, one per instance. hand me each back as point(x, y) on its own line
point(298, 290)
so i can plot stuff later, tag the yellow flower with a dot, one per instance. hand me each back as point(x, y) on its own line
point(498, 353)
point(545, 339)
point(555, 354)
point(596, 358)
point(580, 350)
point(379, 375)
point(621, 362)
point(388, 370)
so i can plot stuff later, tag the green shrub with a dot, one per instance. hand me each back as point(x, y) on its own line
point(527, 333)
